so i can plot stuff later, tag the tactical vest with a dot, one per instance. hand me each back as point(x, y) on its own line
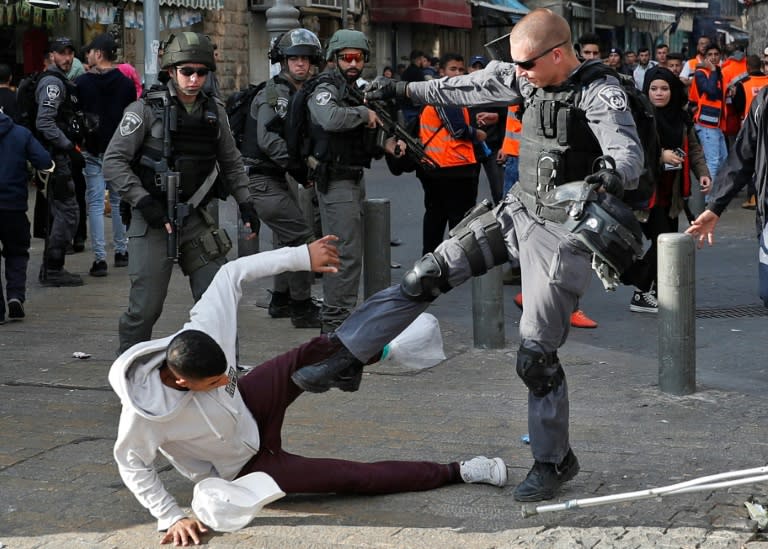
point(340, 149)
point(194, 142)
point(70, 118)
point(250, 149)
point(556, 144)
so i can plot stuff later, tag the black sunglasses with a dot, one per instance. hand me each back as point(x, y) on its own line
point(189, 71)
point(528, 64)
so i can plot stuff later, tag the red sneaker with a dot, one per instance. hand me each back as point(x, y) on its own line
point(580, 320)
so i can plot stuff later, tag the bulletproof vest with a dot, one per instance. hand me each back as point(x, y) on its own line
point(272, 95)
point(194, 141)
point(556, 144)
point(346, 148)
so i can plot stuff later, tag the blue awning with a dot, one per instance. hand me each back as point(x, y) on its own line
point(507, 6)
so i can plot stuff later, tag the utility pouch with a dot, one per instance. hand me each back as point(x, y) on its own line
point(198, 252)
point(550, 171)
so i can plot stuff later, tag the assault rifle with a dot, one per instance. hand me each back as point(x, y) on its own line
point(168, 181)
point(414, 148)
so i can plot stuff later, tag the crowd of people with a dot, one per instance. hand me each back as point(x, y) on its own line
point(558, 183)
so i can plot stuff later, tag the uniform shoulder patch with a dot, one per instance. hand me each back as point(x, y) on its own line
point(52, 91)
point(281, 109)
point(130, 123)
point(323, 98)
point(614, 97)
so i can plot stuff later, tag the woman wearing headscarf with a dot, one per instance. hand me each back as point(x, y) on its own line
point(681, 152)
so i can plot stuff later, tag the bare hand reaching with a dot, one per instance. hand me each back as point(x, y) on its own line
point(703, 228)
point(323, 255)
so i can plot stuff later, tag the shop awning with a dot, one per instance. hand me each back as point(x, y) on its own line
point(679, 4)
point(507, 6)
point(646, 14)
point(191, 4)
point(580, 11)
point(446, 13)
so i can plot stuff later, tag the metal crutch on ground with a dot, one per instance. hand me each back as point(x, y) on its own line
point(711, 482)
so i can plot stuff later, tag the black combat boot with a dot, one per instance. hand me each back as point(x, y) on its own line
point(280, 305)
point(305, 314)
point(544, 479)
point(341, 370)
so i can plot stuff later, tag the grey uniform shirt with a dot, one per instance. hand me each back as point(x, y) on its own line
point(137, 122)
point(270, 141)
point(604, 102)
point(51, 93)
point(327, 112)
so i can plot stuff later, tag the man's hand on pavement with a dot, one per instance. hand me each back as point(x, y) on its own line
point(323, 255)
point(184, 532)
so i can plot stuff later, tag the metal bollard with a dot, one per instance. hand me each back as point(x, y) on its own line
point(488, 310)
point(677, 312)
point(377, 254)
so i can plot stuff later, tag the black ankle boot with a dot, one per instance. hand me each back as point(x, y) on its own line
point(305, 314)
point(544, 479)
point(342, 370)
point(280, 305)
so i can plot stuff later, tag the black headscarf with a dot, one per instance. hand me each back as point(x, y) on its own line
point(672, 119)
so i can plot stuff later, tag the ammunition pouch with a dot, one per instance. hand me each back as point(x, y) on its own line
point(212, 244)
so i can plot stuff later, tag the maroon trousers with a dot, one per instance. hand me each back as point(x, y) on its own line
point(268, 390)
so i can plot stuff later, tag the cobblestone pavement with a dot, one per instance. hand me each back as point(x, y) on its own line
point(59, 486)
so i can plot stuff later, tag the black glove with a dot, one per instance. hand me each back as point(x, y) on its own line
point(609, 180)
point(383, 88)
point(248, 215)
point(153, 212)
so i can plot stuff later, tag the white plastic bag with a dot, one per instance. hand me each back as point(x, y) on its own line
point(417, 347)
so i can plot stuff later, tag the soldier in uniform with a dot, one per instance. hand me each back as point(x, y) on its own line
point(60, 129)
point(265, 154)
point(563, 218)
point(178, 125)
point(343, 137)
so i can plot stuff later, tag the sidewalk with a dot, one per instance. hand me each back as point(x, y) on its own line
point(59, 486)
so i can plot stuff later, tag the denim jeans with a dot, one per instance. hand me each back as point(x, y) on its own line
point(511, 173)
point(715, 150)
point(94, 196)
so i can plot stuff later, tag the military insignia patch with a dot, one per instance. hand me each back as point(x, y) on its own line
point(53, 92)
point(323, 98)
point(130, 123)
point(614, 97)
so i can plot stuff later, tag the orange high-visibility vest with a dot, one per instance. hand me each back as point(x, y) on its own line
point(752, 87)
point(440, 145)
point(709, 112)
point(730, 69)
point(511, 143)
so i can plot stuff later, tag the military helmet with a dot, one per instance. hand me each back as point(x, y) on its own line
point(299, 42)
point(345, 38)
point(188, 47)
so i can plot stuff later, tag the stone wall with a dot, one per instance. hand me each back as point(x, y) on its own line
point(757, 27)
point(228, 28)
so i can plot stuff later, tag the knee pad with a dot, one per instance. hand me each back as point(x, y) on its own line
point(541, 372)
point(426, 280)
point(486, 224)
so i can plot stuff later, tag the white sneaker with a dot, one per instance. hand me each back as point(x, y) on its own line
point(644, 302)
point(484, 470)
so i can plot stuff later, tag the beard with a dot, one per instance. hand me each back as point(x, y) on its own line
point(351, 74)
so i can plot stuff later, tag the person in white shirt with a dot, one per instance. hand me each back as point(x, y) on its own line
point(644, 63)
point(181, 398)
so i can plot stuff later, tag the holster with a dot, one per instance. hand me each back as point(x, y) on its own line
point(213, 243)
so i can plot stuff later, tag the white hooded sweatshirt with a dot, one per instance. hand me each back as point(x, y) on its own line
point(202, 433)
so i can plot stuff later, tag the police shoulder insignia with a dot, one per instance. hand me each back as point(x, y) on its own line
point(614, 97)
point(281, 109)
point(52, 91)
point(130, 123)
point(323, 98)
